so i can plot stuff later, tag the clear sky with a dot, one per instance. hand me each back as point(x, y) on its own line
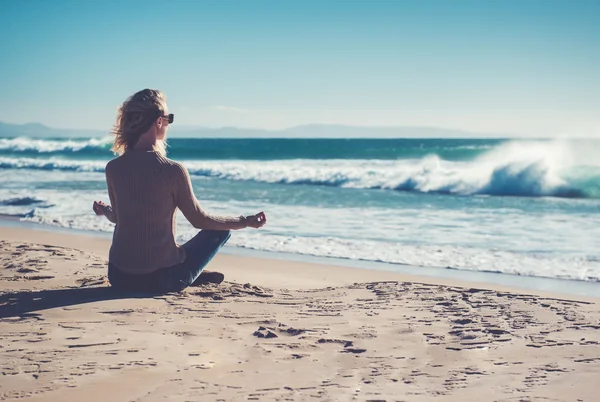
point(525, 66)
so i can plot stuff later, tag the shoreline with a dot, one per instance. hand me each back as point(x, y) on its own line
point(99, 242)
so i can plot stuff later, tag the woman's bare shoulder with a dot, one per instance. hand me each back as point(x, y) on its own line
point(112, 164)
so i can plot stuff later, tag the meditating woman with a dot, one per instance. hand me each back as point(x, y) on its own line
point(145, 190)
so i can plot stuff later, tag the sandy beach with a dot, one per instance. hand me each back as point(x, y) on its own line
point(280, 330)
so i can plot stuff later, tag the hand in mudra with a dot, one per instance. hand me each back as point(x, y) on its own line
point(99, 207)
point(256, 221)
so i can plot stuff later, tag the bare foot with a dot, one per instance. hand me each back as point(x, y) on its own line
point(208, 277)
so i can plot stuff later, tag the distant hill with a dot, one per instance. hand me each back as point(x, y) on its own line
point(36, 130)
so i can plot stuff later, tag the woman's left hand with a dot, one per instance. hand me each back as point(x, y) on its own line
point(99, 207)
point(256, 221)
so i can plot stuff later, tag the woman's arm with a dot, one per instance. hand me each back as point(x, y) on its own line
point(101, 208)
point(109, 211)
point(186, 201)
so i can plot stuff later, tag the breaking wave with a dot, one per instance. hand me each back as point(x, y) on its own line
point(513, 169)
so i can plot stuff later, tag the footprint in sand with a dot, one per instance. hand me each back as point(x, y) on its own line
point(26, 270)
point(263, 332)
point(348, 345)
point(91, 281)
point(36, 277)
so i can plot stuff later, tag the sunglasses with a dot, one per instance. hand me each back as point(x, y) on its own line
point(169, 117)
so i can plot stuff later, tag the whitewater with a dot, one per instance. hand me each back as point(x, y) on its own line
point(509, 206)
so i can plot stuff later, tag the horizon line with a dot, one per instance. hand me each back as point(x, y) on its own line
point(338, 125)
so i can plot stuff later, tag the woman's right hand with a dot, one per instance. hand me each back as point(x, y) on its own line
point(256, 221)
point(99, 207)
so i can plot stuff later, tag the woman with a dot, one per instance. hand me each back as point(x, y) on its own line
point(145, 189)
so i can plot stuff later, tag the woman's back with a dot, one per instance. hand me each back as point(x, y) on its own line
point(142, 186)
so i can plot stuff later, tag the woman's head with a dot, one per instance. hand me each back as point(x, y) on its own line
point(143, 113)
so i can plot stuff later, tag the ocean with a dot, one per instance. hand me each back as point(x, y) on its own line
point(518, 207)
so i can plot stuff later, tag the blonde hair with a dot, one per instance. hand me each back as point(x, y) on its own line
point(135, 116)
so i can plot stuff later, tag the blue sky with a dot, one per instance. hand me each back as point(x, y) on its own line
point(526, 67)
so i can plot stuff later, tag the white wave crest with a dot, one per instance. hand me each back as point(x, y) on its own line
point(23, 144)
point(52, 164)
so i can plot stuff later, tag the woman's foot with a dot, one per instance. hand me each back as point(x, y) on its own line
point(208, 277)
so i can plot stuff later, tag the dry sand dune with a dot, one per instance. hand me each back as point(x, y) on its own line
point(67, 336)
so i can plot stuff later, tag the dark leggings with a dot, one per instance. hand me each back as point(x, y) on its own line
point(199, 251)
